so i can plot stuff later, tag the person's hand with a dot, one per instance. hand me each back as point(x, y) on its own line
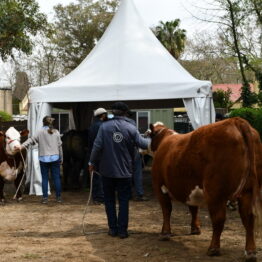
point(147, 133)
point(91, 168)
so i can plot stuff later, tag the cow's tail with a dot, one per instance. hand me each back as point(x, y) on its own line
point(251, 175)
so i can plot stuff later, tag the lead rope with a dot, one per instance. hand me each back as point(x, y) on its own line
point(24, 168)
point(87, 208)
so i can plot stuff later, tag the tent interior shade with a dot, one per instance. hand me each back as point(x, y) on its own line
point(83, 111)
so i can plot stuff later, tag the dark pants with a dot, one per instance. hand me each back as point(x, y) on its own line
point(55, 171)
point(97, 190)
point(117, 223)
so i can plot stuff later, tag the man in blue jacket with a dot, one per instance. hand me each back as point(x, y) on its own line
point(115, 147)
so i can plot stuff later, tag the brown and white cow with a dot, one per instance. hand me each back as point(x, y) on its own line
point(208, 166)
point(11, 162)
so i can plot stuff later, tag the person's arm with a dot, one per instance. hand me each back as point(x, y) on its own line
point(97, 147)
point(60, 148)
point(140, 141)
point(30, 141)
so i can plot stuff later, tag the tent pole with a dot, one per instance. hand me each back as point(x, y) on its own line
point(210, 109)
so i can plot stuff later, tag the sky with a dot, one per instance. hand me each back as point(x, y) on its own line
point(153, 11)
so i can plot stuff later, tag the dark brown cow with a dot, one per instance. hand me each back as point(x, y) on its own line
point(11, 162)
point(210, 165)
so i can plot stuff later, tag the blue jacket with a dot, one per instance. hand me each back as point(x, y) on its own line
point(115, 147)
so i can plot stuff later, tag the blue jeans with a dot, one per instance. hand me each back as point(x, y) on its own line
point(55, 171)
point(138, 175)
point(117, 223)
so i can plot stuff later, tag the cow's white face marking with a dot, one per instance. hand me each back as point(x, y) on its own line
point(164, 189)
point(9, 173)
point(196, 197)
point(12, 139)
point(158, 123)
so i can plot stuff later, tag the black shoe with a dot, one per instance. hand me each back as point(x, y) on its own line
point(123, 235)
point(44, 200)
point(59, 200)
point(98, 203)
point(112, 233)
point(141, 198)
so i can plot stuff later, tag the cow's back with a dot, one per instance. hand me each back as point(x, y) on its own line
point(258, 155)
point(213, 157)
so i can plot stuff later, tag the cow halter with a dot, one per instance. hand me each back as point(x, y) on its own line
point(168, 129)
point(160, 131)
point(9, 142)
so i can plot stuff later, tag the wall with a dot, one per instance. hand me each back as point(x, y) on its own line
point(163, 115)
point(6, 101)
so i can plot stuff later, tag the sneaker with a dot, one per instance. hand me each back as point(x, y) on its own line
point(141, 198)
point(59, 200)
point(44, 200)
point(112, 233)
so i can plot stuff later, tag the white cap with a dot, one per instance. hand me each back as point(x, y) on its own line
point(100, 111)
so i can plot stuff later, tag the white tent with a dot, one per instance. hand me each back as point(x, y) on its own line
point(127, 64)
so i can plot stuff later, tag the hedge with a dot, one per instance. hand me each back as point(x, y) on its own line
point(252, 115)
point(4, 117)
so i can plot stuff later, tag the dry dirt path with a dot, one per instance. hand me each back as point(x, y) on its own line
point(32, 232)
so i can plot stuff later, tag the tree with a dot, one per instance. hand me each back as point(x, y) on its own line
point(78, 27)
point(222, 98)
point(204, 58)
point(171, 36)
point(4, 117)
point(240, 30)
point(243, 42)
point(255, 6)
point(45, 66)
point(253, 60)
point(19, 19)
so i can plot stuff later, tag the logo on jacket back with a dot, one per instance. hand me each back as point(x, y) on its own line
point(117, 137)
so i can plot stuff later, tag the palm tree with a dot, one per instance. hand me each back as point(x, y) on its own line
point(171, 36)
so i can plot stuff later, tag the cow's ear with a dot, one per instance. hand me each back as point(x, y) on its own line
point(152, 128)
point(24, 132)
point(2, 133)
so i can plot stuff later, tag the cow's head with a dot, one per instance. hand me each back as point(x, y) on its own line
point(158, 132)
point(12, 140)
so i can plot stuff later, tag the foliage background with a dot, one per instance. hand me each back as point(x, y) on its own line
point(4, 117)
point(252, 115)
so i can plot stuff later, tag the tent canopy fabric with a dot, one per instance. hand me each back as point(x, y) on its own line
point(128, 63)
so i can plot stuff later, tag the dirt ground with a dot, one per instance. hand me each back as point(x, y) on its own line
point(30, 231)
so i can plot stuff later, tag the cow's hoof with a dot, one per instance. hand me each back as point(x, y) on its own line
point(251, 257)
point(213, 252)
point(195, 231)
point(165, 237)
point(19, 199)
